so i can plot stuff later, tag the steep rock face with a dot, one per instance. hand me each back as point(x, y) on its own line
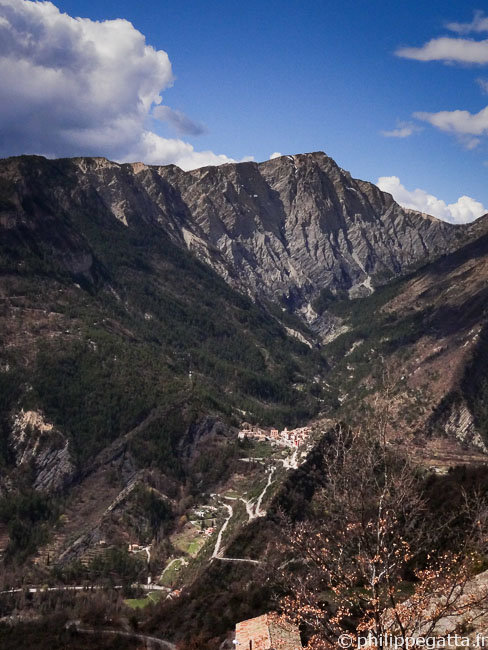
point(283, 229)
point(460, 424)
point(291, 226)
point(40, 448)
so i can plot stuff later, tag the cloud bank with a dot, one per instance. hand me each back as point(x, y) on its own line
point(73, 86)
point(464, 210)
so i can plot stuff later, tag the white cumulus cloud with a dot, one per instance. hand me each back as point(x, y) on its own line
point(154, 150)
point(467, 126)
point(452, 49)
point(274, 155)
point(448, 49)
point(462, 123)
point(478, 24)
point(464, 210)
point(403, 130)
point(74, 86)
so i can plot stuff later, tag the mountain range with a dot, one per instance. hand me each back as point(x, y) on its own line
point(281, 230)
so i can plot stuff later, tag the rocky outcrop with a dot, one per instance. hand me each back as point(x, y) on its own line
point(201, 431)
point(40, 448)
point(460, 425)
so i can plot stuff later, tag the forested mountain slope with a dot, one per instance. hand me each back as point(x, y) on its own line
point(118, 346)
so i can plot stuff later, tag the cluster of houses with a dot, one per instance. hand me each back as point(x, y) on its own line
point(286, 437)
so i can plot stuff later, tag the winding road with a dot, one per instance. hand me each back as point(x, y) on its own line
point(35, 590)
point(217, 552)
point(149, 641)
point(218, 544)
point(254, 510)
point(259, 512)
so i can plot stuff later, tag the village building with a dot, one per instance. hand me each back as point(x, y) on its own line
point(267, 632)
point(287, 438)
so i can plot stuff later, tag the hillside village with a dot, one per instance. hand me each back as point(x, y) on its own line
point(242, 498)
point(287, 437)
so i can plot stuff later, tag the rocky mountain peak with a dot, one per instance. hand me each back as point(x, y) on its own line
point(294, 225)
point(284, 229)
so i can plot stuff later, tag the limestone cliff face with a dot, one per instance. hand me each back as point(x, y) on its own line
point(285, 228)
point(460, 424)
point(296, 224)
point(41, 449)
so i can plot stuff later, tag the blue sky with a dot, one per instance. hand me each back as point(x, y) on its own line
point(355, 79)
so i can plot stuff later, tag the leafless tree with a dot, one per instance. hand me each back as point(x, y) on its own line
point(366, 562)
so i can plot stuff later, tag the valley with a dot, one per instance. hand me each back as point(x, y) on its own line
point(178, 351)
